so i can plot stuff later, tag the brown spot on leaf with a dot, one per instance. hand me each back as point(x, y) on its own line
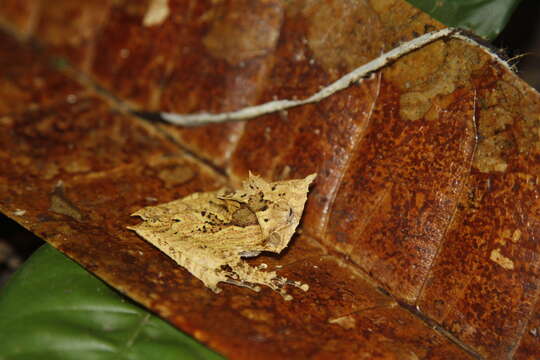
point(62, 205)
point(501, 260)
point(176, 175)
point(429, 84)
point(247, 30)
point(347, 322)
point(343, 34)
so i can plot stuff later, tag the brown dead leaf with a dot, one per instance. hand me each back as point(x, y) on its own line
point(427, 172)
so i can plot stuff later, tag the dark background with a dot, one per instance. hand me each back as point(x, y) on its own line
point(520, 40)
point(522, 37)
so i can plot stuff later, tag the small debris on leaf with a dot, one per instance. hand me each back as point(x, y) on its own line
point(158, 11)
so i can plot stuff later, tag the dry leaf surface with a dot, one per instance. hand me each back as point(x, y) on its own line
point(427, 173)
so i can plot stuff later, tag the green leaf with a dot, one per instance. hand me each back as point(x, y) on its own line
point(54, 309)
point(486, 18)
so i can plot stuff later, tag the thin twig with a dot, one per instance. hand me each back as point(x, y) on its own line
point(344, 82)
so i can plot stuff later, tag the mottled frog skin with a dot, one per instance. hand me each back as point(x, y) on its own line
point(209, 233)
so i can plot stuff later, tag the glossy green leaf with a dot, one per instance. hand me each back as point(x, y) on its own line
point(486, 18)
point(54, 309)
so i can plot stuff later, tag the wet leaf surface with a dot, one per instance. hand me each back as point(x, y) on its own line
point(420, 233)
